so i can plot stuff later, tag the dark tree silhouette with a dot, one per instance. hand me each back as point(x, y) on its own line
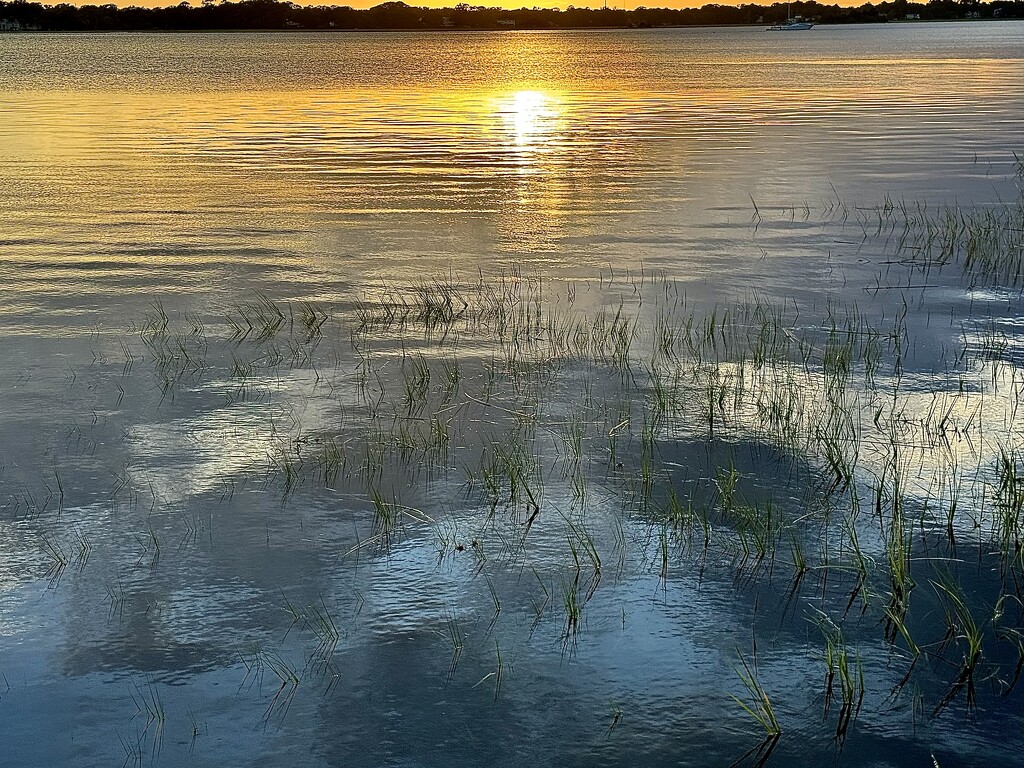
point(394, 14)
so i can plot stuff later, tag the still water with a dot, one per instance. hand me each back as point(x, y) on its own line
point(376, 530)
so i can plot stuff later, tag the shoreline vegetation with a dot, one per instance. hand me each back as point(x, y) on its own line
point(210, 15)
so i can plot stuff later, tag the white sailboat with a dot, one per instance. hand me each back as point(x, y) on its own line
point(791, 24)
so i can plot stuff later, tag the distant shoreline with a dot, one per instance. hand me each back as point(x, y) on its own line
point(395, 16)
point(463, 31)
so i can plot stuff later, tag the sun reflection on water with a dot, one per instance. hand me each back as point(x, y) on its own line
point(530, 118)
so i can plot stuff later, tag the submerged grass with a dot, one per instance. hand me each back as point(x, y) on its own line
point(823, 449)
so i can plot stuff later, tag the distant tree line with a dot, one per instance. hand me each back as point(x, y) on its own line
point(274, 14)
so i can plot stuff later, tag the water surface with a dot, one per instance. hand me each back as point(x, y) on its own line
point(230, 537)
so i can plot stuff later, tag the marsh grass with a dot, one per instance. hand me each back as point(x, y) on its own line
point(150, 708)
point(257, 662)
point(757, 703)
point(963, 631)
point(455, 635)
point(844, 678)
point(819, 453)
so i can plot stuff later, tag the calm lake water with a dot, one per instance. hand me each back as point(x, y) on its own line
point(335, 425)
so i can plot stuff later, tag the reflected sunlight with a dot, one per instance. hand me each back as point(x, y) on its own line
point(529, 117)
